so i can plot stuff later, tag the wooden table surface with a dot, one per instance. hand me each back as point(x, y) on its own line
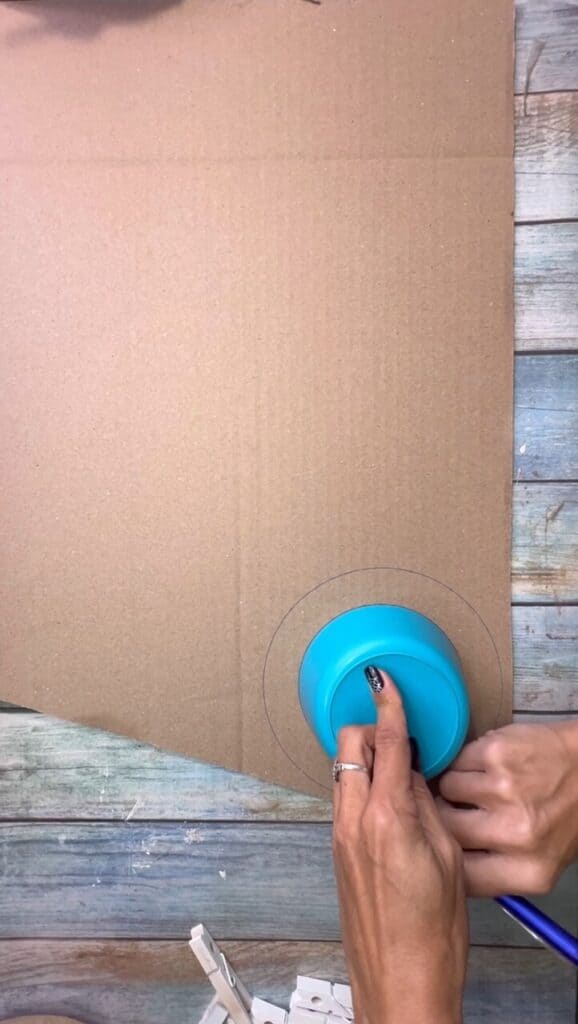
point(110, 850)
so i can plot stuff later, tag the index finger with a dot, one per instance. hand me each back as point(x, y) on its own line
point(392, 760)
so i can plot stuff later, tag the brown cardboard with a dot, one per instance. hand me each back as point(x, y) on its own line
point(256, 336)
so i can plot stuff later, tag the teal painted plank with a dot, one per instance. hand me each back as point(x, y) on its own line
point(160, 983)
point(546, 417)
point(264, 881)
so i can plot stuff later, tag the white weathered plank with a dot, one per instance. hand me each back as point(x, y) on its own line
point(545, 658)
point(58, 770)
point(52, 769)
point(545, 286)
point(546, 45)
point(152, 881)
point(545, 544)
point(159, 983)
point(547, 157)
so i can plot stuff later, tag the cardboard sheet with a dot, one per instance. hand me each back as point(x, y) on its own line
point(256, 353)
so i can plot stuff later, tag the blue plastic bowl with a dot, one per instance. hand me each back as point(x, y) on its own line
point(420, 658)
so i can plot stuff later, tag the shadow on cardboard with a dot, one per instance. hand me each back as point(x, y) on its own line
point(78, 19)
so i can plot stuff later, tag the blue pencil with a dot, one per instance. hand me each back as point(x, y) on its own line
point(541, 926)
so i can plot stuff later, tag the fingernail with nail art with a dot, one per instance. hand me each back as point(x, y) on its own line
point(374, 679)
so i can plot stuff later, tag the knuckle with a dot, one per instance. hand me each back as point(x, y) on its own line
point(387, 735)
point(351, 737)
point(541, 877)
point(344, 836)
point(376, 825)
point(494, 752)
point(352, 732)
point(504, 786)
point(524, 830)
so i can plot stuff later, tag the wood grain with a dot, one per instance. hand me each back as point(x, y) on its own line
point(52, 769)
point(545, 544)
point(545, 279)
point(547, 157)
point(259, 881)
point(545, 658)
point(546, 45)
point(546, 417)
point(159, 982)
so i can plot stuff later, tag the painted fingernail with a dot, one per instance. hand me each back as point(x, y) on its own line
point(414, 754)
point(374, 679)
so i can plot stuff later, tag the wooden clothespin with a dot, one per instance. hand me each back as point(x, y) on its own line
point(231, 994)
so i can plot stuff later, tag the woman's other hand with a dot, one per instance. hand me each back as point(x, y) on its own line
point(521, 827)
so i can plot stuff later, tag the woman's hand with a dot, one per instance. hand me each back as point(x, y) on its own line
point(521, 830)
point(399, 877)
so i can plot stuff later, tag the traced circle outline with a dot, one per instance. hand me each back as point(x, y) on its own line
point(343, 575)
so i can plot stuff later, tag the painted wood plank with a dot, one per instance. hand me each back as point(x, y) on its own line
point(545, 544)
point(262, 881)
point(57, 770)
point(545, 658)
point(546, 417)
point(53, 769)
point(152, 982)
point(545, 280)
point(546, 45)
point(546, 157)
point(528, 718)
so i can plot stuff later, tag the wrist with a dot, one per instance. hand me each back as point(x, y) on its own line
point(422, 994)
point(430, 1010)
point(426, 1012)
point(423, 1014)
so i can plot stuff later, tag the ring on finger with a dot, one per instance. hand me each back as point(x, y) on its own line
point(347, 766)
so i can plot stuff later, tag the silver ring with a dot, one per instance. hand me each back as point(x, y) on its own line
point(346, 766)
